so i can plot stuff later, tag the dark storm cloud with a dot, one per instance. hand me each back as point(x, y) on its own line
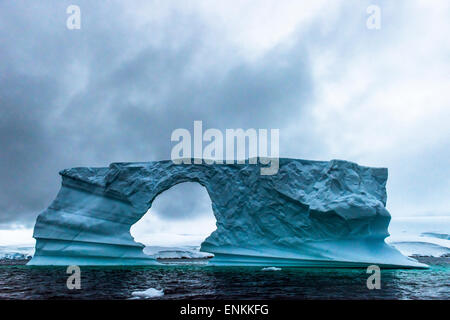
point(169, 206)
point(108, 93)
point(24, 148)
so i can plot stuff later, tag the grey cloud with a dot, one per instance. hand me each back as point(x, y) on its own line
point(134, 94)
point(173, 203)
point(114, 92)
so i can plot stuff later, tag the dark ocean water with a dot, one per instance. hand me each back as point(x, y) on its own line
point(207, 282)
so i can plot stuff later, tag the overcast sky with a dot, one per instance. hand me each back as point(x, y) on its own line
point(136, 70)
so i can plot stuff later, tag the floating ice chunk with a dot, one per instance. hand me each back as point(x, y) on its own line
point(148, 294)
point(16, 253)
point(421, 246)
point(186, 252)
point(444, 236)
point(177, 254)
point(271, 269)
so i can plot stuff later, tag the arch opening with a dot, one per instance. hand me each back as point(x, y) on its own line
point(178, 221)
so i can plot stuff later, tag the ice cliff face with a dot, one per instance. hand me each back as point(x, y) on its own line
point(312, 213)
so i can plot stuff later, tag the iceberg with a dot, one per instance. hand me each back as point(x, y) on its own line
point(309, 214)
point(16, 252)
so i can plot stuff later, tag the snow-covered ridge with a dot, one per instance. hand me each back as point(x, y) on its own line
point(444, 236)
point(312, 213)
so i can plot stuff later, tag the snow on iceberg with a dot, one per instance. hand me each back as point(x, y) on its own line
point(311, 213)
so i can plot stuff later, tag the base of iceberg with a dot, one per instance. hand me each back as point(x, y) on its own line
point(176, 253)
point(309, 214)
point(341, 254)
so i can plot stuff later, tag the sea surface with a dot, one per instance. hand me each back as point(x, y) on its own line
point(208, 282)
point(425, 238)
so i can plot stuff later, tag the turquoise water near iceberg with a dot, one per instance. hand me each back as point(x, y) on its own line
point(206, 282)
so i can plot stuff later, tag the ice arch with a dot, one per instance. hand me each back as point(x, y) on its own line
point(179, 217)
point(311, 213)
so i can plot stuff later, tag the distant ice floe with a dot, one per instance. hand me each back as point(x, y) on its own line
point(271, 269)
point(16, 253)
point(148, 294)
point(421, 236)
point(188, 252)
point(444, 236)
point(420, 246)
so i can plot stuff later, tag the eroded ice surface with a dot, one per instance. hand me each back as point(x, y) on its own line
point(312, 213)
